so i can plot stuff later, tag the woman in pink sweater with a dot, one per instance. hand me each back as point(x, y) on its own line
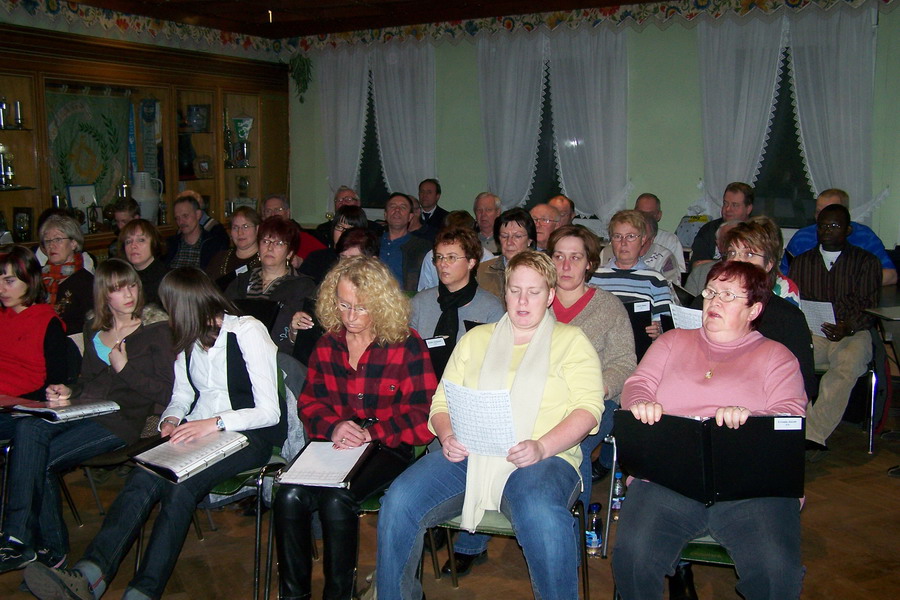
point(729, 371)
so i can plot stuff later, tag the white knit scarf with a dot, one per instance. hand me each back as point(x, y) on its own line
point(486, 476)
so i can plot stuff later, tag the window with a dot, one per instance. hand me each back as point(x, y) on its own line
point(372, 186)
point(546, 182)
point(782, 189)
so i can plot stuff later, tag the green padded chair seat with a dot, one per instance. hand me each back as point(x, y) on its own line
point(493, 522)
point(706, 550)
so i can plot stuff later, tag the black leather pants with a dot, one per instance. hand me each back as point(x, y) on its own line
point(338, 511)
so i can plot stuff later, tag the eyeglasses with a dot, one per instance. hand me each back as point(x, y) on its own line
point(341, 227)
point(724, 295)
point(243, 227)
point(545, 221)
point(743, 255)
point(628, 237)
point(53, 241)
point(827, 226)
point(450, 259)
point(360, 310)
point(517, 237)
point(271, 242)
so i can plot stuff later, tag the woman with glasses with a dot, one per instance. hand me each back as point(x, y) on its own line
point(729, 371)
point(759, 241)
point(142, 246)
point(444, 313)
point(369, 380)
point(243, 254)
point(629, 278)
point(514, 231)
point(275, 279)
point(69, 285)
point(318, 263)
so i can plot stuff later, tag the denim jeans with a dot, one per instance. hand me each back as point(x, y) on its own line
point(536, 500)
point(476, 543)
point(41, 450)
point(762, 535)
point(177, 504)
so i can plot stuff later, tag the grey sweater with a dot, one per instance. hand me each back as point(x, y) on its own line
point(484, 308)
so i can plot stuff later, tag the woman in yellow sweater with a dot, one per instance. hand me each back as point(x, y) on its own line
point(537, 480)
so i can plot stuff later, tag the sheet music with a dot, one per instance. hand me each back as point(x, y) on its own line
point(320, 464)
point(481, 419)
point(187, 458)
point(816, 314)
point(686, 318)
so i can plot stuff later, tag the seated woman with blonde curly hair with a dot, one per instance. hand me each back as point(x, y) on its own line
point(369, 380)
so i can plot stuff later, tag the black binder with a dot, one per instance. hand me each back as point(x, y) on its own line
point(764, 457)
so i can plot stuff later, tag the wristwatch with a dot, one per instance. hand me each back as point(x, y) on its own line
point(220, 424)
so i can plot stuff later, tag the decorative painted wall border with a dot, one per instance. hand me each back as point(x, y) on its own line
point(73, 17)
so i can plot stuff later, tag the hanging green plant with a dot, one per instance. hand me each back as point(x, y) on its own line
point(301, 72)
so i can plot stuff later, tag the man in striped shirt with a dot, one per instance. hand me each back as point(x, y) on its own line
point(849, 278)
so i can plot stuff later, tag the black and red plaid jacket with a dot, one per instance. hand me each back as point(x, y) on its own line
point(393, 383)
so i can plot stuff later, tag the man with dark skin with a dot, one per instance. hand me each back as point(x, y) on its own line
point(849, 278)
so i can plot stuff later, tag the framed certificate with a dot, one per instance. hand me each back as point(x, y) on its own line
point(81, 197)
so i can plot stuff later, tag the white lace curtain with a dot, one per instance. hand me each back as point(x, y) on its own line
point(834, 73)
point(403, 81)
point(342, 75)
point(739, 61)
point(589, 87)
point(403, 78)
point(510, 82)
point(588, 82)
point(833, 65)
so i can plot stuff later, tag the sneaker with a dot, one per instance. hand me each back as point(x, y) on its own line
point(46, 556)
point(57, 584)
point(14, 555)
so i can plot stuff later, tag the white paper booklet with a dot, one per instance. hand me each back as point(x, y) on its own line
point(64, 410)
point(178, 462)
point(481, 419)
point(816, 314)
point(320, 464)
point(686, 318)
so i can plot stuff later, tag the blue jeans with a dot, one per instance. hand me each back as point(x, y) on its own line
point(476, 543)
point(762, 535)
point(177, 504)
point(536, 500)
point(41, 451)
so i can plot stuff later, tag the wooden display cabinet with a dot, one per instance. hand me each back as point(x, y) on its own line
point(191, 87)
point(20, 200)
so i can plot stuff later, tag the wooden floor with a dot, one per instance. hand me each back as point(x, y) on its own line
point(851, 541)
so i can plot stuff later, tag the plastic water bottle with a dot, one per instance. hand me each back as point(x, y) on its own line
point(594, 533)
point(618, 496)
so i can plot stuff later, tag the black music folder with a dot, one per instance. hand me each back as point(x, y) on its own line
point(709, 463)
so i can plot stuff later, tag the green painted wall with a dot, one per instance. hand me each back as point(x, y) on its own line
point(665, 149)
point(886, 134)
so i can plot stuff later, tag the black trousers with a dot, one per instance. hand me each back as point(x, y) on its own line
point(339, 512)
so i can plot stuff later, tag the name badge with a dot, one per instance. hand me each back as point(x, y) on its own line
point(788, 423)
point(435, 342)
point(641, 307)
point(240, 269)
